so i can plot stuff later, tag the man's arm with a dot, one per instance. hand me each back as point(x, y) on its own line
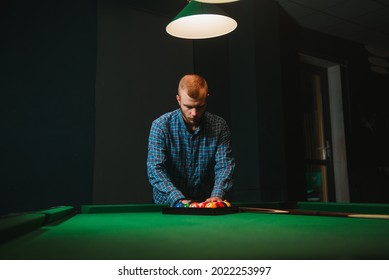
point(224, 165)
point(165, 191)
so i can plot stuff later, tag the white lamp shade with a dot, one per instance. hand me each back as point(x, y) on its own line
point(201, 21)
point(201, 26)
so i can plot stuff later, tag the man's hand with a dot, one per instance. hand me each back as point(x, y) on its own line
point(213, 199)
point(185, 201)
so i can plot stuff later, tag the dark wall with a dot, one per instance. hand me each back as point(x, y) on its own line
point(47, 70)
point(211, 60)
point(270, 106)
point(368, 134)
point(244, 103)
point(138, 69)
point(293, 109)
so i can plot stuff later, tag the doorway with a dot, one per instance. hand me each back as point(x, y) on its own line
point(317, 133)
point(323, 126)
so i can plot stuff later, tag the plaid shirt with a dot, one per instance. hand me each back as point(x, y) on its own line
point(188, 165)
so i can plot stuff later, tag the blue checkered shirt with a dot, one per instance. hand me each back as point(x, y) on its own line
point(188, 165)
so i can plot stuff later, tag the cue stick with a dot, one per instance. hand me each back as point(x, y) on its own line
point(313, 213)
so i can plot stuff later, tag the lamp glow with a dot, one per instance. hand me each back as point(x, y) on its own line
point(201, 21)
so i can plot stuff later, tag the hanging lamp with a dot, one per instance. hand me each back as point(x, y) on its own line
point(200, 21)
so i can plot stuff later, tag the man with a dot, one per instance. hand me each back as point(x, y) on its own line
point(189, 154)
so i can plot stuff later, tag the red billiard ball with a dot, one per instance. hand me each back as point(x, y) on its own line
point(201, 205)
point(219, 204)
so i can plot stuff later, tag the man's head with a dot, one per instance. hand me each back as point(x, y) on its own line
point(192, 99)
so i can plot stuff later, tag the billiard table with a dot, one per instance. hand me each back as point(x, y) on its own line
point(143, 232)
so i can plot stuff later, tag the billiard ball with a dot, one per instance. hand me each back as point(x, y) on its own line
point(178, 204)
point(186, 205)
point(201, 205)
point(227, 203)
point(194, 205)
point(211, 205)
point(219, 204)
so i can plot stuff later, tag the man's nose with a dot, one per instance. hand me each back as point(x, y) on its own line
point(194, 112)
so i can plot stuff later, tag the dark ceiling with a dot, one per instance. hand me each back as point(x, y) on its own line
point(362, 21)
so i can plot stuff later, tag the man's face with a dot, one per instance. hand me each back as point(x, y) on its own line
point(192, 108)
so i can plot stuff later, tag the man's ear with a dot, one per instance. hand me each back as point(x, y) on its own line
point(178, 99)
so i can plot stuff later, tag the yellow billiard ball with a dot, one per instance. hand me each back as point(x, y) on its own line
point(227, 203)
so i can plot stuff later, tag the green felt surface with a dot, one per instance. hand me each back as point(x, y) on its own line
point(16, 225)
point(152, 235)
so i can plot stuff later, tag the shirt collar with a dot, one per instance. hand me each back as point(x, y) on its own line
point(183, 125)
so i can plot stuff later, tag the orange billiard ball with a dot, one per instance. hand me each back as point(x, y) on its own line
point(194, 205)
point(211, 205)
